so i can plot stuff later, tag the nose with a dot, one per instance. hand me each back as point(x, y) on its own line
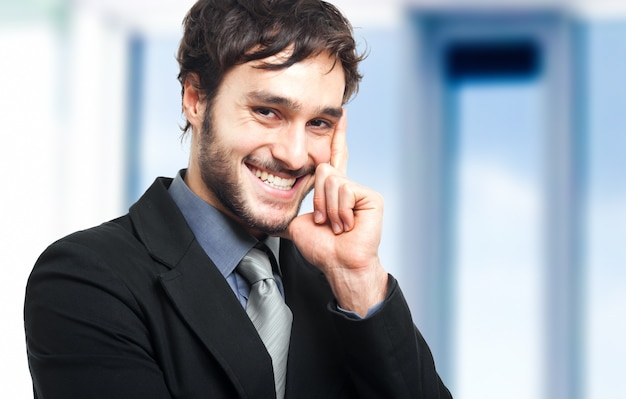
point(290, 147)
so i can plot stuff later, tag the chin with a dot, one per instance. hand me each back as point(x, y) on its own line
point(273, 221)
point(268, 228)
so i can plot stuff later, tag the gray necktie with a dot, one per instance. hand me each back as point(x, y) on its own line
point(268, 312)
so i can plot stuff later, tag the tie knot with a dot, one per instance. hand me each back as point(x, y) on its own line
point(255, 266)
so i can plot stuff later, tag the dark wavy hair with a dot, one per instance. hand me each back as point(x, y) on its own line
point(220, 34)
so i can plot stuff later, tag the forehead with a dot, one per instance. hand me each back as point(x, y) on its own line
point(322, 63)
point(318, 80)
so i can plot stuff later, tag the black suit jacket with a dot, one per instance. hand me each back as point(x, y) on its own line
point(134, 308)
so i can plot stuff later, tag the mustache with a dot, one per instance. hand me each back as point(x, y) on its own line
point(279, 167)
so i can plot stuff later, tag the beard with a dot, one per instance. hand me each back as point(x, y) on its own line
point(219, 175)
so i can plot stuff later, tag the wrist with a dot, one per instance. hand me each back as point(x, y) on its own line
point(359, 290)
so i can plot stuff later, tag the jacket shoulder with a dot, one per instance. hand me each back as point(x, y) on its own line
point(112, 237)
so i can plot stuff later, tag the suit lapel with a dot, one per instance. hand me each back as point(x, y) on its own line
point(208, 305)
point(314, 366)
point(201, 295)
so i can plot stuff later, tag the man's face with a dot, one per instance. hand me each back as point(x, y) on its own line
point(268, 131)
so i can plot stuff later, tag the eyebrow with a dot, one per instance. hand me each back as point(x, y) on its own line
point(272, 99)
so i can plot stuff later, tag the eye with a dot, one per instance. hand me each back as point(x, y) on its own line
point(265, 112)
point(320, 123)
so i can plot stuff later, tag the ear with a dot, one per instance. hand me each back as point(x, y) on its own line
point(193, 106)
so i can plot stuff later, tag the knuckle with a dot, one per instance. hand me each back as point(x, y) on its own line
point(333, 213)
point(332, 183)
point(318, 200)
point(345, 213)
point(323, 169)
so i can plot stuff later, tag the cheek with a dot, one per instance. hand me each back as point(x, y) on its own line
point(319, 150)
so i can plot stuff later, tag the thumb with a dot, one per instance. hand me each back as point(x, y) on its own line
point(295, 226)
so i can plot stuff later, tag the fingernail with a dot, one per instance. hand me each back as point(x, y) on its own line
point(318, 217)
point(337, 228)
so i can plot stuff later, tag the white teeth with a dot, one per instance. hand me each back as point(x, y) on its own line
point(274, 181)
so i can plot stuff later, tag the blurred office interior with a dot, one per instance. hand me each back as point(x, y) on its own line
point(494, 129)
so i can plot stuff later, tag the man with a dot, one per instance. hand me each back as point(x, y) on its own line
point(156, 304)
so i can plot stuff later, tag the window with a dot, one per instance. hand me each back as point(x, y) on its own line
point(495, 97)
point(498, 171)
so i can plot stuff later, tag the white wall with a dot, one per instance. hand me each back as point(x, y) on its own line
point(62, 105)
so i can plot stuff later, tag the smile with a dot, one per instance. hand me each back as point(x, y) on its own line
point(273, 181)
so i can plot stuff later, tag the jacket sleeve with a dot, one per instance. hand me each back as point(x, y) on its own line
point(85, 333)
point(388, 357)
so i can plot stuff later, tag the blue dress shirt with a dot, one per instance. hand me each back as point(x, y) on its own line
point(223, 240)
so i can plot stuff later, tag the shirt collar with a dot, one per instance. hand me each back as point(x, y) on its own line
point(223, 240)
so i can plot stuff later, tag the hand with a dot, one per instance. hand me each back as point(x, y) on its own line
point(342, 235)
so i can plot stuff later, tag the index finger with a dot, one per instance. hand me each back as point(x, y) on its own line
point(339, 147)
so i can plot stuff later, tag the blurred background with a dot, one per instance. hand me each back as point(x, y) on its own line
point(494, 129)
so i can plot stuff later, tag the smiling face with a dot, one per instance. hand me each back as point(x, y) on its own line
point(267, 131)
